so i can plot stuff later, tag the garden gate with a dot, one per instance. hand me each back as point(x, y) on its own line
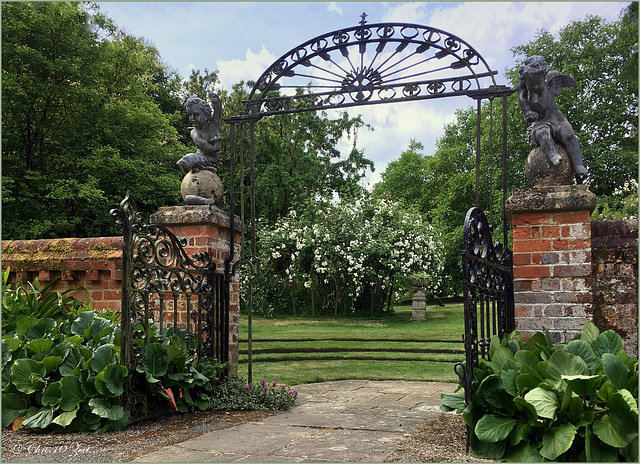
point(487, 274)
point(161, 282)
point(361, 65)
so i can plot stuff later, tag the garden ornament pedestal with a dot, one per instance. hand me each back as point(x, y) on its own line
point(418, 301)
point(419, 305)
point(552, 271)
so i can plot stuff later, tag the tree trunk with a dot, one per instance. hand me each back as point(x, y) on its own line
point(390, 294)
point(313, 300)
point(293, 300)
point(335, 306)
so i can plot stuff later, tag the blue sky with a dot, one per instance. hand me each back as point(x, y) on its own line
point(241, 39)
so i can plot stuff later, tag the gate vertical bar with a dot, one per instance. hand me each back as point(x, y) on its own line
point(224, 317)
point(126, 297)
point(478, 132)
point(253, 254)
point(491, 160)
point(504, 170)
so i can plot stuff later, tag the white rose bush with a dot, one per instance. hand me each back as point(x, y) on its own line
point(344, 258)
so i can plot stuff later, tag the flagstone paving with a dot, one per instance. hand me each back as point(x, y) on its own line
point(342, 421)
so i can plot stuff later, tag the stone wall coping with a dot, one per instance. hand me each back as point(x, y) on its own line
point(192, 215)
point(624, 228)
point(52, 254)
point(550, 199)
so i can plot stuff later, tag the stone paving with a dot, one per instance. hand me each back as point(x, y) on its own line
point(342, 421)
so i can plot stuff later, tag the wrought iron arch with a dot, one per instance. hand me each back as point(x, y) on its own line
point(370, 64)
point(362, 65)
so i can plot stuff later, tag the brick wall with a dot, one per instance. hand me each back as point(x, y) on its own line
point(92, 263)
point(615, 270)
point(552, 272)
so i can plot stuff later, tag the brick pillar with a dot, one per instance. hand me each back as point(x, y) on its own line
point(207, 228)
point(552, 272)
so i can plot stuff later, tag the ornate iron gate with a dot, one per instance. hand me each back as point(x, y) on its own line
point(488, 293)
point(162, 288)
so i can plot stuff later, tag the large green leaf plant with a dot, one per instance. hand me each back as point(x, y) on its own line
point(63, 374)
point(538, 402)
point(174, 370)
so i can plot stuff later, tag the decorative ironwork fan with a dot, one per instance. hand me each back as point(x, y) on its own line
point(369, 64)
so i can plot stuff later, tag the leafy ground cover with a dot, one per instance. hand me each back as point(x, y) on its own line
point(63, 372)
point(392, 347)
point(575, 401)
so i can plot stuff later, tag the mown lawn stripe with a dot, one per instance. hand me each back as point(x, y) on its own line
point(296, 350)
point(350, 358)
point(394, 340)
point(348, 350)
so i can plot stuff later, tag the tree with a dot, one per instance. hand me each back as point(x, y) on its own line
point(81, 122)
point(297, 160)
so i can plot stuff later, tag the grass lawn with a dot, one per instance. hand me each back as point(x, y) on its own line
point(302, 350)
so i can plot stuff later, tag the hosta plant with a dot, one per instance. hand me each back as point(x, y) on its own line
point(176, 372)
point(63, 374)
point(534, 401)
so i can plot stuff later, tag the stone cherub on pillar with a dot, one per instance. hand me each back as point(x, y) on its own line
point(549, 130)
point(201, 184)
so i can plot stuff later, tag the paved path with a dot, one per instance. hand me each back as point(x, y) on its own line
point(343, 421)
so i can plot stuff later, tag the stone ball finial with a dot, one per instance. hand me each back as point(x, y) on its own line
point(540, 171)
point(202, 187)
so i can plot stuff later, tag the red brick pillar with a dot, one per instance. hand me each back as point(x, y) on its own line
point(207, 228)
point(552, 272)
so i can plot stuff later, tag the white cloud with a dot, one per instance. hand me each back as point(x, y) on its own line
point(405, 13)
point(233, 71)
point(333, 6)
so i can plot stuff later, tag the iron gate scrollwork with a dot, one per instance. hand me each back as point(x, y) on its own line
point(488, 293)
point(164, 290)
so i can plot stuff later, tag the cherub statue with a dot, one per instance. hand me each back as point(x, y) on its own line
point(537, 90)
point(205, 134)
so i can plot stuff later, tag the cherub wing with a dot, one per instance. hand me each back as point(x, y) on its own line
point(558, 81)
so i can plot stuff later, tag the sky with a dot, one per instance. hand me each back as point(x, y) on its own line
point(242, 39)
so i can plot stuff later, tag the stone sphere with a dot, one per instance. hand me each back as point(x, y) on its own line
point(202, 183)
point(540, 171)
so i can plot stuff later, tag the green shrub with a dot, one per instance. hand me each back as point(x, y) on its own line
point(572, 402)
point(63, 374)
point(177, 374)
point(237, 395)
point(30, 300)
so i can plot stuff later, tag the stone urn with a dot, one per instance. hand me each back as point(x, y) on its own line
point(540, 171)
point(420, 282)
point(202, 187)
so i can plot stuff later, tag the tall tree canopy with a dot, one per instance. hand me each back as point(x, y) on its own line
point(81, 121)
point(89, 111)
